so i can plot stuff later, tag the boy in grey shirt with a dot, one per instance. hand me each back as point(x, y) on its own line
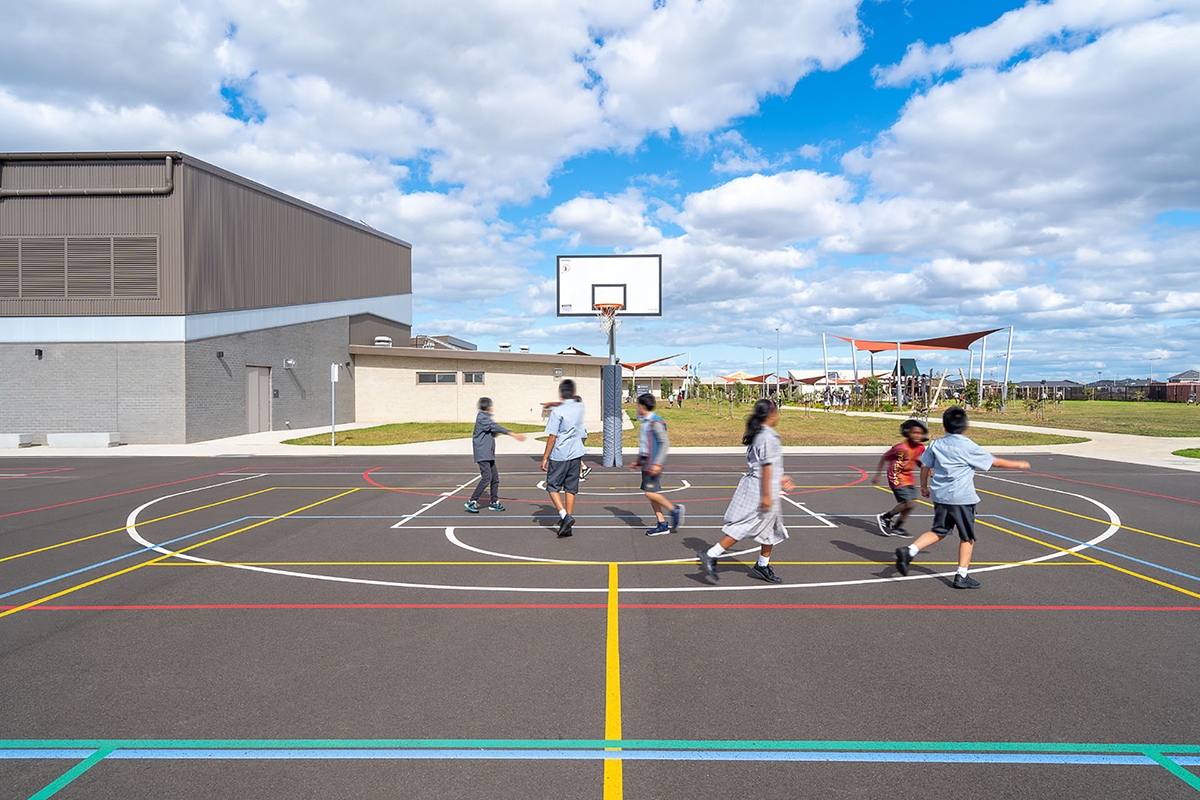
point(653, 447)
point(948, 474)
point(483, 444)
point(563, 455)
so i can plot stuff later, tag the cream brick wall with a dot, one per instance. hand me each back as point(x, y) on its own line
point(387, 389)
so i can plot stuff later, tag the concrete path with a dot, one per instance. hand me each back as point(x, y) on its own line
point(1144, 450)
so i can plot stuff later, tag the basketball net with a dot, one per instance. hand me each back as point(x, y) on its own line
point(606, 314)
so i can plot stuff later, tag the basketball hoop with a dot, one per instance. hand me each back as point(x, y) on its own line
point(607, 315)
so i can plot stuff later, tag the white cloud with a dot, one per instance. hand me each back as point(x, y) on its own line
point(617, 221)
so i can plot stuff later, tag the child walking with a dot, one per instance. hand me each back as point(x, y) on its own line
point(483, 443)
point(653, 447)
point(948, 474)
point(755, 510)
point(901, 462)
point(564, 452)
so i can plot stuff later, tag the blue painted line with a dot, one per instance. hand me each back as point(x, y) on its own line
point(1104, 550)
point(326, 754)
point(117, 558)
point(74, 755)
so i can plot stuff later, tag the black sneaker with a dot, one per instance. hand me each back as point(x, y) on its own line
point(766, 573)
point(584, 471)
point(565, 525)
point(659, 530)
point(708, 564)
point(898, 530)
point(885, 527)
point(677, 516)
point(496, 506)
point(965, 582)
point(471, 506)
point(903, 559)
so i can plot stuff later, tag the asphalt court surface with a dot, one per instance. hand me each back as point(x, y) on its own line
point(341, 627)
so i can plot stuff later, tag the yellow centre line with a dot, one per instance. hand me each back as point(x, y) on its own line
point(33, 603)
point(613, 779)
point(118, 530)
point(1093, 519)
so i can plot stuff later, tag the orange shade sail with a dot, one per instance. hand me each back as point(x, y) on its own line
point(958, 341)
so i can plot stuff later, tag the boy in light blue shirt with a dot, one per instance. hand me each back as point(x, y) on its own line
point(563, 455)
point(948, 474)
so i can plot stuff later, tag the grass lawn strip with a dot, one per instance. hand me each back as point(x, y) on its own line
point(1193, 452)
point(694, 427)
point(1107, 416)
point(407, 433)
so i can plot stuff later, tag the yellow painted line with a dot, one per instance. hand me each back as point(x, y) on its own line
point(584, 563)
point(1093, 519)
point(33, 603)
point(613, 778)
point(122, 528)
point(1096, 560)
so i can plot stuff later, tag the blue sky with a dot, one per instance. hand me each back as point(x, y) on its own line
point(873, 168)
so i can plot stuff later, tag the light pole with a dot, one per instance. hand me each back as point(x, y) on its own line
point(1152, 360)
point(764, 370)
point(777, 364)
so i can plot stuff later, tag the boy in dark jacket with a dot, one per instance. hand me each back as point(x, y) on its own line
point(652, 456)
point(483, 443)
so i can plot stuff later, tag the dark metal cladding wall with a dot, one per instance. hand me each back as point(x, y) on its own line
point(160, 216)
point(246, 248)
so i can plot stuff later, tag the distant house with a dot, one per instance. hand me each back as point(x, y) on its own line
point(1191, 376)
point(573, 351)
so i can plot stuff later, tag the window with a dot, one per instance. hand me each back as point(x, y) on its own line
point(472, 377)
point(437, 377)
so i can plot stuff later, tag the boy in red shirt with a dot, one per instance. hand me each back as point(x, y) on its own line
point(903, 462)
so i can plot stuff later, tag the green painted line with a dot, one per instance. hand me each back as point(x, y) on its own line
point(74, 772)
point(588, 744)
point(1179, 772)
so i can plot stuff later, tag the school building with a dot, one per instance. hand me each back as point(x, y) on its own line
point(151, 297)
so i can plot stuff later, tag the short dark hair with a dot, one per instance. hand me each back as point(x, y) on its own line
point(646, 400)
point(485, 403)
point(909, 424)
point(567, 389)
point(955, 419)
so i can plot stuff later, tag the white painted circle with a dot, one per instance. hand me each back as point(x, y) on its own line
point(131, 529)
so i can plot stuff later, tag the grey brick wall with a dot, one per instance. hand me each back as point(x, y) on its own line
point(216, 388)
point(134, 389)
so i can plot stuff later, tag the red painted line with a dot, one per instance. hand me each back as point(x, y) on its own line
point(301, 606)
point(105, 496)
point(36, 473)
point(862, 477)
point(886, 606)
point(1118, 488)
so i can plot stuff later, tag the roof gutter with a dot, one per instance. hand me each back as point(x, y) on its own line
point(69, 191)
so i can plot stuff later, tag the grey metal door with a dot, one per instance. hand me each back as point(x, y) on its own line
point(258, 399)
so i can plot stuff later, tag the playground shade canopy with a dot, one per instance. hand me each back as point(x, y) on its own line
point(958, 341)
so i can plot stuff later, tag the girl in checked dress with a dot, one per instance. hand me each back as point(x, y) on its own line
point(755, 510)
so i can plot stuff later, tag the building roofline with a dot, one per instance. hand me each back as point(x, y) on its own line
point(146, 155)
point(475, 355)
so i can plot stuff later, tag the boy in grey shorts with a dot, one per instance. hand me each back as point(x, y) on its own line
point(563, 455)
point(948, 474)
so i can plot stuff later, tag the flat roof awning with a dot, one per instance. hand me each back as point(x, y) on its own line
point(958, 341)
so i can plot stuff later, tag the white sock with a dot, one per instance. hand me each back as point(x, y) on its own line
point(763, 561)
point(562, 513)
point(913, 550)
point(962, 571)
point(716, 551)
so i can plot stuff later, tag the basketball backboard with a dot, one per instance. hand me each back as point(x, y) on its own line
point(634, 281)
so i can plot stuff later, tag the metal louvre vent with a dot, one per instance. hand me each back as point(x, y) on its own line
point(135, 266)
point(10, 268)
point(60, 267)
point(44, 267)
point(89, 267)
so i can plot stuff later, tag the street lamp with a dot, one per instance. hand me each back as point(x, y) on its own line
point(764, 369)
point(1152, 360)
point(777, 364)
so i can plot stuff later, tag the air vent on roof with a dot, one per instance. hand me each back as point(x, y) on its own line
point(505, 347)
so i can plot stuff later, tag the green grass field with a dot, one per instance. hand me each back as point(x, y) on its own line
point(1108, 416)
point(695, 427)
point(407, 433)
point(1193, 452)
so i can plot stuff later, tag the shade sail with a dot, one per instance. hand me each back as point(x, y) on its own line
point(958, 341)
point(648, 363)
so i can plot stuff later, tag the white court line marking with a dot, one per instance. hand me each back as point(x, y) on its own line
point(819, 517)
point(542, 485)
point(1113, 527)
point(460, 543)
point(428, 506)
point(546, 529)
